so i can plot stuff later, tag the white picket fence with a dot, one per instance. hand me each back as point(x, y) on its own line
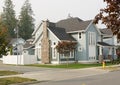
point(19, 59)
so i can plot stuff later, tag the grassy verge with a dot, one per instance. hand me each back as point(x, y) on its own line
point(4, 73)
point(14, 80)
point(70, 66)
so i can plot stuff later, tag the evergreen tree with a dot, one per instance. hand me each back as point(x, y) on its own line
point(8, 17)
point(26, 25)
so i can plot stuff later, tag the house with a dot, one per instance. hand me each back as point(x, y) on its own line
point(84, 33)
point(17, 46)
point(22, 53)
point(110, 49)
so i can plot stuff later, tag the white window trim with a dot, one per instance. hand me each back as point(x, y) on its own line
point(91, 38)
point(54, 53)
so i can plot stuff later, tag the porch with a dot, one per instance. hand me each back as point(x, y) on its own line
point(106, 52)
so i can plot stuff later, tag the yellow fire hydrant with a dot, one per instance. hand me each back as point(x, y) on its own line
point(103, 64)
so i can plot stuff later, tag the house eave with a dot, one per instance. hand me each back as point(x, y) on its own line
point(36, 29)
point(76, 31)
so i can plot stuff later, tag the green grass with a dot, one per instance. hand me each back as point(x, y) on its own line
point(14, 80)
point(70, 66)
point(4, 73)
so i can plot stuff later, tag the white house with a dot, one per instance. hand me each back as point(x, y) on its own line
point(23, 53)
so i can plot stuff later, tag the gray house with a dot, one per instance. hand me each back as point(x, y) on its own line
point(84, 33)
point(17, 45)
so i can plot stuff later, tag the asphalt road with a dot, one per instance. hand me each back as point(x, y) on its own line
point(110, 78)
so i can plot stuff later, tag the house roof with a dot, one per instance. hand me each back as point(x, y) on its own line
point(106, 31)
point(73, 24)
point(28, 43)
point(15, 40)
point(61, 28)
point(61, 33)
point(103, 44)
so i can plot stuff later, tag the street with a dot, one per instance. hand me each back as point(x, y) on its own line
point(110, 78)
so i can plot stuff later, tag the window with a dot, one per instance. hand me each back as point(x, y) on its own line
point(79, 35)
point(72, 54)
point(68, 54)
point(91, 38)
point(53, 43)
point(54, 53)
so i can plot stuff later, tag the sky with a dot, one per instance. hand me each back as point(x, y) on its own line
point(55, 10)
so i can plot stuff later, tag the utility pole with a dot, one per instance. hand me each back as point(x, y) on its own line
point(17, 43)
point(16, 32)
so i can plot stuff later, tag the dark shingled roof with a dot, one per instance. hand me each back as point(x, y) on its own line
point(73, 24)
point(106, 31)
point(61, 33)
point(104, 44)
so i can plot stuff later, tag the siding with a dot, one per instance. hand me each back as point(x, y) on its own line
point(80, 54)
point(53, 40)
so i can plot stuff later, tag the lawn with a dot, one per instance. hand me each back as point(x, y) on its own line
point(70, 66)
point(4, 73)
point(14, 80)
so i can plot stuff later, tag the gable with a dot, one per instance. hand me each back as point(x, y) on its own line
point(92, 27)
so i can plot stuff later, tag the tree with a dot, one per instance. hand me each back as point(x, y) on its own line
point(26, 25)
point(65, 48)
point(3, 40)
point(8, 17)
point(110, 16)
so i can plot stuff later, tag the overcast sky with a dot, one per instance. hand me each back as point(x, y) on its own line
point(55, 10)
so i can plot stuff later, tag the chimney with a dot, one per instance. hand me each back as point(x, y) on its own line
point(45, 58)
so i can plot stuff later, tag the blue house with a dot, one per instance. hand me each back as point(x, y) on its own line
point(88, 37)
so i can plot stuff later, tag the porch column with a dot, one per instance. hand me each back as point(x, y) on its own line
point(100, 54)
point(100, 50)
